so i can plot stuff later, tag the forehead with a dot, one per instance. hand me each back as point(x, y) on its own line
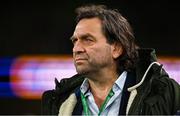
point(88, 25)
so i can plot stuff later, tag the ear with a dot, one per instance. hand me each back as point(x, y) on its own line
point(117, 50)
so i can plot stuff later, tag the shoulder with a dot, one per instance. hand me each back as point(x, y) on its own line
point(167, 92)
point(52, 99)
point(47, 101)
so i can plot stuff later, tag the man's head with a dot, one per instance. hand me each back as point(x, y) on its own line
point(108, 37)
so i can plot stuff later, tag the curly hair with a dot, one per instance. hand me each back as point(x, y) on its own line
point(116, 29)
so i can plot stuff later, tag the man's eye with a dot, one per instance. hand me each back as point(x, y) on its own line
point(89, 39)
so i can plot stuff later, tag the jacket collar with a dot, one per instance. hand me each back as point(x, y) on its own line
point(145, 57)
point(68, 84)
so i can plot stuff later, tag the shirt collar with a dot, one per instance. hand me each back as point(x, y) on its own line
point(84, 86)
point(119, 83)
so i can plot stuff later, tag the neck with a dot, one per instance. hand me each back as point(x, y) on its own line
point(101, 85)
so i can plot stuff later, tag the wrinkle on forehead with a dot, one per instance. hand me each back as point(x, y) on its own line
point(92, 25)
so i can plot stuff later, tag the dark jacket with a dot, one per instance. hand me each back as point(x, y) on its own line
point(147, 90)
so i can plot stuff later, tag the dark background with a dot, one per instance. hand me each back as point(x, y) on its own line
point(39, 27)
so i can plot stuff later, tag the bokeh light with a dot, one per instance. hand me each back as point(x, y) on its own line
point(30, 76)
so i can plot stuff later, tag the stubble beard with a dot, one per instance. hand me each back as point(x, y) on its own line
point(89, 69)
point(86, 72)
point(82, 69)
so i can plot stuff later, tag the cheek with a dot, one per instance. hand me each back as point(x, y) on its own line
point(101, 53)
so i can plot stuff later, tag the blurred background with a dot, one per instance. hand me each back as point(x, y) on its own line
point(35, 47)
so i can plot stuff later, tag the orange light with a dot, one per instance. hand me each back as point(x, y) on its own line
point(30, 76)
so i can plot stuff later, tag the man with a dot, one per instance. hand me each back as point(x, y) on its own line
point(114, 77)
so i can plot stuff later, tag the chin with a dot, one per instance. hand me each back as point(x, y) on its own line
point(82, 71)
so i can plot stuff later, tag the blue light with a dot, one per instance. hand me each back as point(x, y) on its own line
point(5, 64)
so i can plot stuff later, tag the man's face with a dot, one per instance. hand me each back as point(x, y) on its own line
point(91, 52)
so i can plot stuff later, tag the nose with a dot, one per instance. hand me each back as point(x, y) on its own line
point(78, 47)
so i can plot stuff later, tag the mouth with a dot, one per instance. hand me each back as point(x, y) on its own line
point(79, 60)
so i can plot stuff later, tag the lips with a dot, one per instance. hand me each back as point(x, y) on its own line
point(79, 59)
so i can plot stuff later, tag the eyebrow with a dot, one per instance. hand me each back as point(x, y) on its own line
point(82, 36)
